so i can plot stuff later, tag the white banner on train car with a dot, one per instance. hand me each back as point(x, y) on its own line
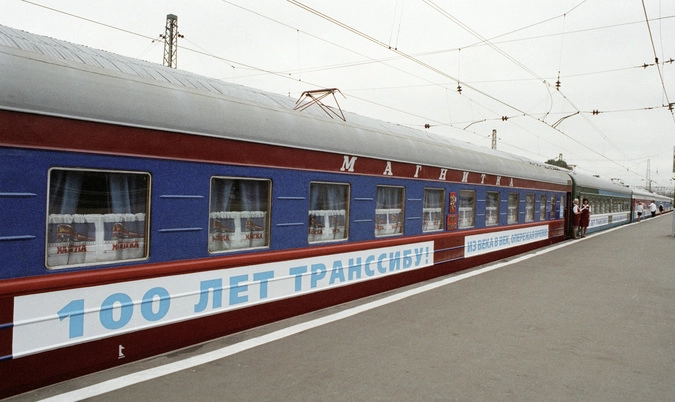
point(622, 217)
point(495, 241)
point(598, 221)
point(52, 320)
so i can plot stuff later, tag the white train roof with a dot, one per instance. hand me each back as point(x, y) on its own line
point(48, 76)
point(599, 184)
point(646, 195)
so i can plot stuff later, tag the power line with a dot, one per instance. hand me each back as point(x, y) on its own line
point(403, 54)
point(656, 60)
point(480, 37)
point(613, 26)
point(512, 59)
point(88, 20)
point(509, 57)
point(351, 50)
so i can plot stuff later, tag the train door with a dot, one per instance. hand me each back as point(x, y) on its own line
point(569, 215)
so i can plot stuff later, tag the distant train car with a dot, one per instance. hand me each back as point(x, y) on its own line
point(663, 204)
point(146, 209)
point(610, 203)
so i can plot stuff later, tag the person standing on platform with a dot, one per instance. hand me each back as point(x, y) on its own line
point(660, 208)
point(585, 216)
point(577, 217)
point(652, 209)
point(639, 210)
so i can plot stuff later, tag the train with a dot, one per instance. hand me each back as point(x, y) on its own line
point(612, 204)
point(147, 209)
point(646, 198)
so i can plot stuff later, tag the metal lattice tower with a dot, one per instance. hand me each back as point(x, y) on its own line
point(170, 37)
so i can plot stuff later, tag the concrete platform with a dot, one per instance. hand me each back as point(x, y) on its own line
point(592, 320)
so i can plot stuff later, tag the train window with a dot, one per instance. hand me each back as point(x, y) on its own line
point(96, 217)
point(553, 207)
point(512, 214)
point(594, 202)
point(542, 208)
point(389, 211)
point(467, 208)
point(529, 208)
point(239, 214)
point(492, 208)
point(328, 212)
point(434, 204)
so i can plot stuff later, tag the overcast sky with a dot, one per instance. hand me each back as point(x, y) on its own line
point(401, 60)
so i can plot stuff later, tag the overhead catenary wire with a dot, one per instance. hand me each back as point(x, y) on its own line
point(656, 60)
point(555, 125)
point(480, 37)
point(88, 20)
point(509, 57)
point(434, 69)
point(399, 52)
point(368, 59)
point(396, 25)
point(562, 41)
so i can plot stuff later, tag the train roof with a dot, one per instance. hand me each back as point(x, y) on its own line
point(601, 185)
point(48, 76)
point(647, 195)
